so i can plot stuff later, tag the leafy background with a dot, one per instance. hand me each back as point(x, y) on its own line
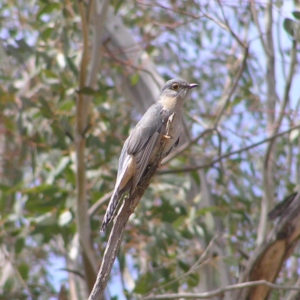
point(244, 56)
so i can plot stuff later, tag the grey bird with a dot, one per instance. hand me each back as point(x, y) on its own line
point(162, 121)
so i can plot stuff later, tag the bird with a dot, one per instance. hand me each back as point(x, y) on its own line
point(163, 121)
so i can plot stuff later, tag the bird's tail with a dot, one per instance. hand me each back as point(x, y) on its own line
point(113, 203)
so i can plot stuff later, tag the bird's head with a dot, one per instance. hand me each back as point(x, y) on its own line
point(177, 88)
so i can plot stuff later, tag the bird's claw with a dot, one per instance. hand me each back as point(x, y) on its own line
point(165, 136)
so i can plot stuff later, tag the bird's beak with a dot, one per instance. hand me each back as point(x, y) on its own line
point(192, 85)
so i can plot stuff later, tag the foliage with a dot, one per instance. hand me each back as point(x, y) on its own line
point(41, 45)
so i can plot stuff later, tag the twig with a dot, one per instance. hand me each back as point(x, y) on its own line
point(219, 23)
point(195, 266)
point(182, 12)
point(130, 64)
point(255, 18)
point(225, 100)
point(93, 209)
point(20, 278)
point(229, 28)
point(221, 291)
point(234, 86)
point(192, 168)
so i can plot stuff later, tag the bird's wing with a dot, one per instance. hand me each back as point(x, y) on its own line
point(137, 149)
point(145, 136)
point(151, 122)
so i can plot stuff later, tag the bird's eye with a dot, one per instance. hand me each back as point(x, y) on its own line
point(175, 86)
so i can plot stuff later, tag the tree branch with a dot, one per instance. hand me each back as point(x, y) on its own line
point(255, 18)
point(193, 268)
point(93, 209)
point(267, 260)
point(273, 124)
point(221, 291)
point(209, 164)
point(243, 45)
point(82, 112)
point(225, 100)
point(83, 224)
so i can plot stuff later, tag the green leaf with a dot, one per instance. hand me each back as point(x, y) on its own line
point(24, 270)
point(48, 9)
point(67, 105)
point(50, 74)
point(4, 188)
point(289, 26)
point(118, 6)
point(134, 79)
point(296, 14)
point(64, 161)
point(46, 34)
point(178, 222)
point(19, 245)
point(205, 210)
point(72, 66)
point(193, 280)
point(183, 266)
point(195, 176)
point(144, 284)
point(8, 285)
point(45, 108)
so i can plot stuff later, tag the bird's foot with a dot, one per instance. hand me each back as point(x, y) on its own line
point(168, 137)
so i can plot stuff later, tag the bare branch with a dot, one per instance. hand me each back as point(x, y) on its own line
point(195, 266)
point(268, 170)
point(221, 291)
point(83, 224)
point(243, 45)
point(93, 209)
point(209, 164)
point(17, 272)
point(99, 20)
point(255, 18)
point(227, 97)
point(275, 125)
point(82, 111)
point(219, 23)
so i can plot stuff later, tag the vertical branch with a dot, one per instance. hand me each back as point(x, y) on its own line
point(100, 17)
point(83, 224)
point(82, 122)
point(270, 152)
point(268, 171)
